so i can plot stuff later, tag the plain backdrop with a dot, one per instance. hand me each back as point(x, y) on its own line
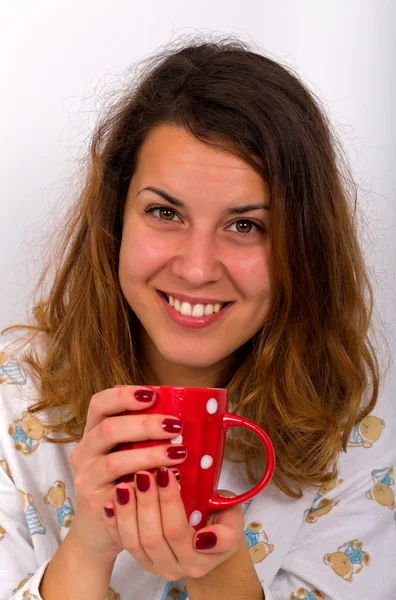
point(61, 60)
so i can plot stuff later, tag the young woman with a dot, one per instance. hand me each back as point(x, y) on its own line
point(214, 243)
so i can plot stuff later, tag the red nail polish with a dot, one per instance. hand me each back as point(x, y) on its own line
point(176, 473)
point(176, 452)
point(172, 425)
point(162, 477)
point(109, 512)
point(205, 540)
point(144, 395)
point(142, 482)
point(122, 495)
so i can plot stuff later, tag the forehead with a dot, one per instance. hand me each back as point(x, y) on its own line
point(173, 159)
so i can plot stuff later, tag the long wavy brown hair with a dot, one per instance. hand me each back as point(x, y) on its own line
point(303, 376)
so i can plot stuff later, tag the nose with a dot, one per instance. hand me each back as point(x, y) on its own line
point(197, 260)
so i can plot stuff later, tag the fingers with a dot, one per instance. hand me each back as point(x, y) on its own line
point(115, 401)
point(140, 527)
point(150, 522)
point(121, 519)
point(226, 529)
point(131, 428)
point(112, 466)
point(216, 539)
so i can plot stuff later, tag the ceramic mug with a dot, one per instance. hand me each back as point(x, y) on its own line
point(203, 412)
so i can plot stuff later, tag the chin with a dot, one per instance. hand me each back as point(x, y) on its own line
point(198, 358)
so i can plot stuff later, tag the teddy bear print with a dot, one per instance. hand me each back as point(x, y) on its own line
point(321, 505)
point(33, 519)
point(2, 533)
point(27, 433)
point(60, 504)
point(22, 583)
point(348, 560)
point(366, 432)
point(10, 371)
point(304, 594)
point(112, 595)
point(4, 465)
point(381, 492)
point(178, 594)
point(257, 541)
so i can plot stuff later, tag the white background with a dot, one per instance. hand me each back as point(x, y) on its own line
point(59, 60)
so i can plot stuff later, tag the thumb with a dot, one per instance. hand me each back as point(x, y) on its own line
point(224, 531)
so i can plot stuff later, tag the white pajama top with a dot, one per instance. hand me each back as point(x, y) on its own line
point(335, 543)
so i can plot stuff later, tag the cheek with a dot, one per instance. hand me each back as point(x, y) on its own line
point(140, 254)
point(253, 274)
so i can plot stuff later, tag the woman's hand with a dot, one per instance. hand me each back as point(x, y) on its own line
point(152, 526)
point(96, 468)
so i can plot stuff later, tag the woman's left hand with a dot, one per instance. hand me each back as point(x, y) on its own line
point(152, 526)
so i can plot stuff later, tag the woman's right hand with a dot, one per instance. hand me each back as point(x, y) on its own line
point(96, 467)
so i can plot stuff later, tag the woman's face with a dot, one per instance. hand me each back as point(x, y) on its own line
point(207, 247)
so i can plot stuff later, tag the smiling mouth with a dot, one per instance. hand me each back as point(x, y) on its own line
point(188, 309)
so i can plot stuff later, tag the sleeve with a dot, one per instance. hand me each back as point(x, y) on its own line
point(20, 575)
point(346, 546)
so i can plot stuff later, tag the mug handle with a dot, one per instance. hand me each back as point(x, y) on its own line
point(217, 502)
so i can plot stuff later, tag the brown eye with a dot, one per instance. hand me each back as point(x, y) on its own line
point(243, 226)
point(166, 213)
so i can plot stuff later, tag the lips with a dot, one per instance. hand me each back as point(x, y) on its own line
point(191, 322)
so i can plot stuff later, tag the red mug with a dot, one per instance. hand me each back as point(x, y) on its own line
point(203, 412)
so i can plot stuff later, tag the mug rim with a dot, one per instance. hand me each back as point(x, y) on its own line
point(186, 387)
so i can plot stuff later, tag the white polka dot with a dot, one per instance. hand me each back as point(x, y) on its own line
point(206, 461)
point(195, 518)
point(211, 406)
point(177, 440)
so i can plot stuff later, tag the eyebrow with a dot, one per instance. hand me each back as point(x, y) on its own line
point(235, 210)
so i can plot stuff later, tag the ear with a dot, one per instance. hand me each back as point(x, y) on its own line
point(327, 559)
point(47, 500)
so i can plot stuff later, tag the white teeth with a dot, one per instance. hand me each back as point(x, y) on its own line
point(193, 310)
point(186, 309)
point(209, 309)
point(198, 310)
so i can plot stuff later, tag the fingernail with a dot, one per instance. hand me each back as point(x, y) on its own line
point(144, 395)
point(175, 452)
point(122, 495)
point(205, 540)
point(172, 425)
point(162, 477)
point(109, 512)
point(142, 482)
point(176, 473)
